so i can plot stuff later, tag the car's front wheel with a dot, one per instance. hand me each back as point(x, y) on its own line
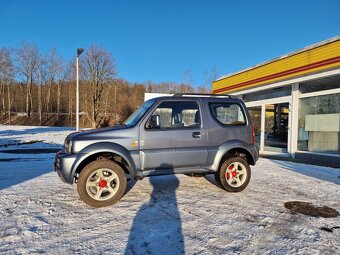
point(101, 183)
point(234, 174)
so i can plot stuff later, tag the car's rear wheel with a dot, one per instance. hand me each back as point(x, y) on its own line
point(101, 183)
point(234, 174)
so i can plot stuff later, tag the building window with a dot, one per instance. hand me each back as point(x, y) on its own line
point(267, 94)
point(319, 124)
point(320, 84)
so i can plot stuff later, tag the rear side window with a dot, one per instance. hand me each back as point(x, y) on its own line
point(228, 113)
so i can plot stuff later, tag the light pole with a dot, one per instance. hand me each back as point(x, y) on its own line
point(79, 51)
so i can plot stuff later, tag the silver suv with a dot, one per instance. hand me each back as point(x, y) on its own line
point(194, 134)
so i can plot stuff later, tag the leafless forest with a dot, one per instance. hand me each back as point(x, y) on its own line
point(39, 88)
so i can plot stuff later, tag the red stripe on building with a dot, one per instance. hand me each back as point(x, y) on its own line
point(280, 74)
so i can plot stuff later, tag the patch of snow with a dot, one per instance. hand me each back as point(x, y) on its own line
point(165, 214)
point(24, 134)
point(324, 173)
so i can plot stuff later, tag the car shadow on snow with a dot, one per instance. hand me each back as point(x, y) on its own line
point(211, 178)
point(323, 173)
point(157, 228)
point(24, 165)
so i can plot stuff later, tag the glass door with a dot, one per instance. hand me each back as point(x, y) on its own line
point(276, 127)
point(255, 115)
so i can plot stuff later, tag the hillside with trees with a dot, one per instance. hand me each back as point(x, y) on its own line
point(39, 88)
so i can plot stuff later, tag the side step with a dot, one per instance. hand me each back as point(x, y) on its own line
point(187, 171)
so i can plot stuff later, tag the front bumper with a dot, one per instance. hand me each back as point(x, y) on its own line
point(64, 165)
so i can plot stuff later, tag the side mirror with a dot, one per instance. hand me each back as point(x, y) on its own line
point(154, 122)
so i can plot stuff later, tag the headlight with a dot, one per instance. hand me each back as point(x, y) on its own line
point(68, 145)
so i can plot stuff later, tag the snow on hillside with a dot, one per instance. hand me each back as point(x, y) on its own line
point(160, 215)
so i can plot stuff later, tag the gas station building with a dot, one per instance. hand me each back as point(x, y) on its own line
point(294, 102)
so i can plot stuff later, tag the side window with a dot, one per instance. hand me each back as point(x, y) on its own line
point(228, 113)
point(178, 114)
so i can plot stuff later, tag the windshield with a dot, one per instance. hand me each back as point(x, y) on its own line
point(137, 115)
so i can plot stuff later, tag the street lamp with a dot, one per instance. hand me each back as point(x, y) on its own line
point(79, 51)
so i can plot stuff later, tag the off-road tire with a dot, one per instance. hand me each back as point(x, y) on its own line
point(88, 185)
point(228, 180)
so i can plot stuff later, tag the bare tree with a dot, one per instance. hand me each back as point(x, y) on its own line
point(187, 77)
point(42, 73)
point(105, 99)
point(59, 69)
point(186, 86)
point(203, 90)
point(210, 76)
point(98, 69)
point(70, 77)
point(4, 57)
point(26, 63)
point(148, 85)
point(53, 65)
point(6, 78)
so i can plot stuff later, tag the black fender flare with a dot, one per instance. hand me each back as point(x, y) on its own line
point(105, 147)
point(227, 146)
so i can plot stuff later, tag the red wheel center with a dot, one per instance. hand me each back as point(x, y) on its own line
point(233, 173)
point(102, 183)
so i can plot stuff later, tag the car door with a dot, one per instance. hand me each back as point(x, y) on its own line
point(180, 139)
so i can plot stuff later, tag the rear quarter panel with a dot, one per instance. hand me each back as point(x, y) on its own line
point(222, 138)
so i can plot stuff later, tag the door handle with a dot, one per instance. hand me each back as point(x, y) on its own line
point(196, 135)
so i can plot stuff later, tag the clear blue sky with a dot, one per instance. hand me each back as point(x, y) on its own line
point(160, 40)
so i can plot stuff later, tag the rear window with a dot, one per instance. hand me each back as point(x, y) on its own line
point(228, 113)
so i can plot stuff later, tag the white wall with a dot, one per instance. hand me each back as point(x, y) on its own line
point(148, 96)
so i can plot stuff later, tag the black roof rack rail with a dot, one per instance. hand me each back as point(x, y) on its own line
point(200, 94)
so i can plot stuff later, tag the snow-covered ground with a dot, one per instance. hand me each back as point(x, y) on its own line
point(160, 215)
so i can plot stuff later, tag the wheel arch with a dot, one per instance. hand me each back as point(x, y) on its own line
point(233, 148)
point(238, 152)
point(106, 150)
